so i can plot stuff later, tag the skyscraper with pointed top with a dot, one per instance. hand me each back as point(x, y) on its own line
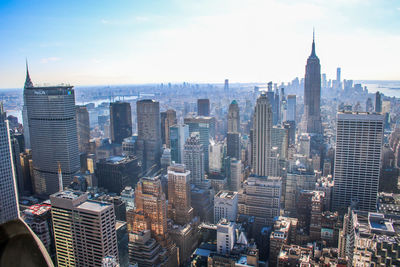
point(28, 84)
point(51, 119)
point(312, 94)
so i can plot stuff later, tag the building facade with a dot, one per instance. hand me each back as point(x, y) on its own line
point(84, 230)
point(168, 118)
point(312, 94)
point(261, 145)
point(178, 135)
point(120, 121)
point(148, 143)
point(179, 201)
point(233, 117)
point(51, 116)
point(8, 187)
point(225, 206)
point(83, 128)
point(359, 138)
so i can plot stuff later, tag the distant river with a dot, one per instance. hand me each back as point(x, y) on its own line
point(388, 88)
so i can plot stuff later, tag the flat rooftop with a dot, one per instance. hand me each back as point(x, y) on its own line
point(226, 194)
point(67, 194)
point(115, 159)
point(94, 206)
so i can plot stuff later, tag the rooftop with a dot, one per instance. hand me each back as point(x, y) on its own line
point(38, 209)
point(94, 206)
point(115, 159)
point(67, 194)
point(226, 194)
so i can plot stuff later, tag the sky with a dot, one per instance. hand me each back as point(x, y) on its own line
point(106, 42)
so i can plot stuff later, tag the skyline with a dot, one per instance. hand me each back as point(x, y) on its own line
point(173, 41)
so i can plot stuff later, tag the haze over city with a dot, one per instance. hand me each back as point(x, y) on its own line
point(130, 42)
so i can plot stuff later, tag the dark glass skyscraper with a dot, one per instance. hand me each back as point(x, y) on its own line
point(51, 115)
point(378, 102)
point(312, 94)
point(203, 107)
point(120, 121)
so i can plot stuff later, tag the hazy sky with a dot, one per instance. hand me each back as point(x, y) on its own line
point(120, 42)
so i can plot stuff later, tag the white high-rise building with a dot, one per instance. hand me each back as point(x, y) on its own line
point(262, 126)
point(357, 160)
point(215, 154)
point(8, 194)
point(225, 206)
point(225, 236)
point(194, 159)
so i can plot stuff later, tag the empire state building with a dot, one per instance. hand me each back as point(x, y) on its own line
point(312, 94)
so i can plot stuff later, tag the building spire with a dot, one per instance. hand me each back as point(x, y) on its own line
point(313, 45)
point(28, 82)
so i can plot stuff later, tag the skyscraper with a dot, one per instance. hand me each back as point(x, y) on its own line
point(84, 230)
point(233, 118)
point(194, 159)
point(339, 78)
point(226, 86)
point(120, 121)
point(179, 207)
point(312, 94)
point(151, 214)
point(233, 145)
point(168, 118)
point(216, 151)
point(51, 116)
point(115, 173)
point(8, 194)
point(378, 102)
point(149, 133)
point(150, 209)
point(178, 134)
point(359, 139)
point(28, 84)
point(235, 176)
point(203, 107)
point(262, 127)
point(291, 108)
point(206, 127)
point(260, 198)
point(83, 128)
